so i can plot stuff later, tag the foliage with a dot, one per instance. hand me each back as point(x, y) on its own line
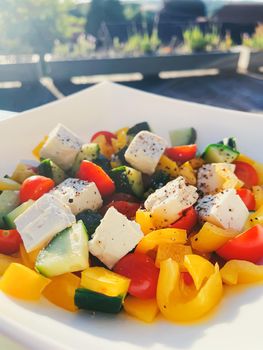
point(83, 47)
point(196, 40)
point(256, 41)
point(142, 44)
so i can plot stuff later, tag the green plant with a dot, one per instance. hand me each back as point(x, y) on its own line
point(142, 44)
point(84, 46)
point(196, 40)
point(256, 40)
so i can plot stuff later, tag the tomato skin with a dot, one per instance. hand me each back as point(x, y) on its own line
point(126, 208)
point(9, 241)
point(246, 173)
point(34, 187)
point(140, 268)
point(89, 171)
point(108, 136)
point(181, 154)
point(187, 221)
point(247, 197)
point(246, 246)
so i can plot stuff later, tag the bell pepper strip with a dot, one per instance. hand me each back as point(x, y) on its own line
point(21, 282)
point(241, 272)
point(171, 302)
point(256, 165)
point(246, 246)
point(174, 251)
point(168, 166)
point(166, 235)
point(258, 194)
point(181, 153)
point(145, 310)
point(9, 241)
point(187, 278)
point(89, 171)
point(120, 140)
point(28, 259)
point(188, 220)
point(101, 280)
point(37, 149)
point(61, 291)
point(246, 173)
point(5, 261)
point(188, 173)
point(211, 237)
point(93, 301)
point(256, 218)
point(126, 208)
point(247, 197)
point(144, 219)
point(7, 184)
point(106, 148)
point(107, 134)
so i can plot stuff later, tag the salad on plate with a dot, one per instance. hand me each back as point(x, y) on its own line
point(128, 221)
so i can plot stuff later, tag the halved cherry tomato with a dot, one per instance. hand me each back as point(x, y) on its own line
point(187, 278)
point(108, 136)
point(246, 173)
point(181, 154)
point(140, 268)
point(92, 172)
point(34, 187)
point(246, 246)
point(247, 197)
point(126, 208)
point(187, 221)
point(9, 241)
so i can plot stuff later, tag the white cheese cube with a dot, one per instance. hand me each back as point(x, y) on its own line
point(42, 221)
point(79, 195)
point(62, 147)
point(167, 203)
point(145, 151)
point(224, 209)
point(114, 237)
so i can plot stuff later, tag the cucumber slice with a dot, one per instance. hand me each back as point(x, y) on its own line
point(230, 142)
point(67, 252)
point(89, 151)
point(120, 155)
point(49, 169)
point(90, 219)
point(128, 180)
point(9, 200)
point(9, 219)
point(138, 127)
point(103, 162)
point(217, 153)
point(93, 301)
point(185, 136)
point(159, 179)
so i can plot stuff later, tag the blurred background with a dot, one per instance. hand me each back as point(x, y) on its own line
point(206, 51)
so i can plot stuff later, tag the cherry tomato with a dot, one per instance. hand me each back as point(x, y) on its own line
point(92, 172)
point(187, 221)
point(34, 187)
point(187, 278)
point(181, 154)
point(140, 268)
point(247, 197)
point(246, 173)
point(108, 136)
point(9, 241)
point(246, 246)
point(125, 208)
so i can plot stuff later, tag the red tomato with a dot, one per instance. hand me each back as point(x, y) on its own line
point(9, 241)
point(246, 246)
point(247, 197)
point(34, 187)
point(92, 172)
point(125, 208)
point(181, 153)
point(187, 221)
point(187, 278)
point(108, 136)
point(246, 173)
point(140, 268)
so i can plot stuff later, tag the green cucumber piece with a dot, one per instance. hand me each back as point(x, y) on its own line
point(93, 301)
point(159, 179)
point(9, 200)
point(91, 220)
point(49, 169)
point(67, 252)
point(230, 142)
point(89, 151)
point(9, 219)
point(138, 127)
point(120, 155)
point(185, 136)
point(217, 153)
point(103, 162)
point(127, 180)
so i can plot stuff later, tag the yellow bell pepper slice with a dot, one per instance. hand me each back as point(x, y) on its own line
point(258, 193)
point(168, 166)
point(37, 149)
point(188, 173)
point(144, 219)
point(257, 217)
point(121, 140)
point(174, 251)
point(101, 280)
point(28, 259)
point(241, 271)
point(22, 172)
point(145, 310)
point(177, 308)
point(21, 282)
point(210, 238)
point(199, 268)
point(258, 166)
point(5, 261)
point(61, 291)
point(166, 235)
point(7, 184)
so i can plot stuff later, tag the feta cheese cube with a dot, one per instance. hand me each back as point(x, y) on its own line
point(114, 237)
point(224, 209)
point(79, 195)
point(167, 203)
point(62, 147)
point(42, 221)
point(145, 151)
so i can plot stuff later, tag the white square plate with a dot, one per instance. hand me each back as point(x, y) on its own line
point(237, 323)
